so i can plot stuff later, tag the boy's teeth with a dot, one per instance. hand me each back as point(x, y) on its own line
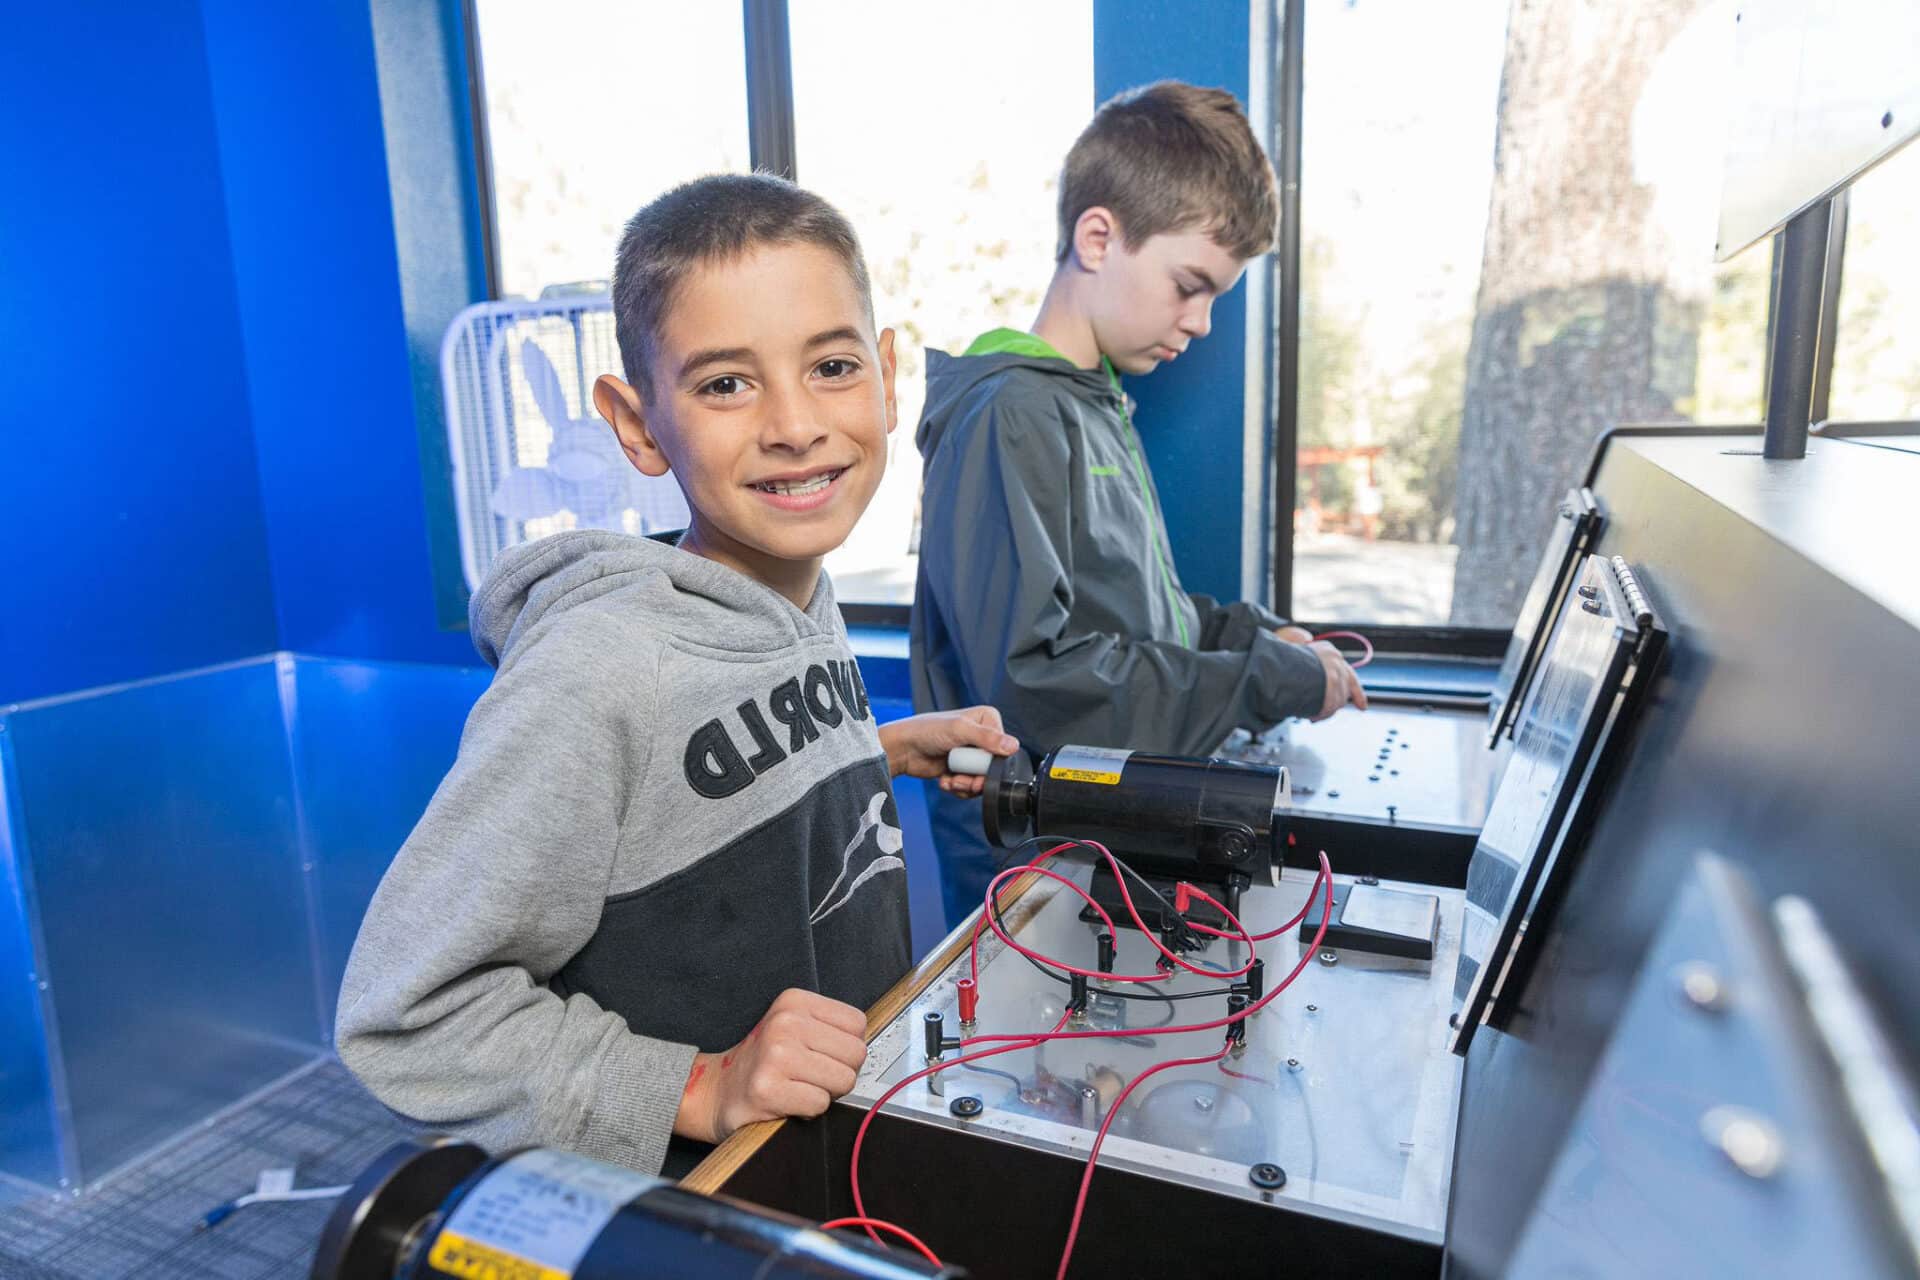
point(800, 488)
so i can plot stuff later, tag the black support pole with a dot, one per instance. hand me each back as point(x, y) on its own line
point(1794, 342)
point(1289, 99)
point(769, 87)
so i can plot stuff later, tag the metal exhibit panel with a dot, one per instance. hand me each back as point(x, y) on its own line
point(1712, 1140)
point(1580, 677)
point(1346, 1082)
point(1822, 92)
point(153, 825)
point(1400, 765)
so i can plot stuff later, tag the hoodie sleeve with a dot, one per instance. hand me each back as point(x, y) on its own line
point(1004, 580)
point(444, 1012)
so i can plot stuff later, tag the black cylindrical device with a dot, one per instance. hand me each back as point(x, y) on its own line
point(1170, 814)
point(442, 1208)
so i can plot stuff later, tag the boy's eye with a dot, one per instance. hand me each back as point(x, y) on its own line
point(724, 385)
point(836, 368)
point(1185, 290)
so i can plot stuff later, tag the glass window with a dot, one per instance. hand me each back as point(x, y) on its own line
point(1876, 362)
point(1507, 238)
point(595, 107)
point(947, 164)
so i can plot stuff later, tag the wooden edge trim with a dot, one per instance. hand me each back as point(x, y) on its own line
point(712, 1174)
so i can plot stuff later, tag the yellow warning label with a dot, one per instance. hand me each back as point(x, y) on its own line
point(459, 1256)
point(1084, 775)
point(1099, 765)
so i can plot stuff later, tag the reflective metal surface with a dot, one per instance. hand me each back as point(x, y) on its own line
point(1345, 1081)
point(1421, 768)
point(1711, 1140)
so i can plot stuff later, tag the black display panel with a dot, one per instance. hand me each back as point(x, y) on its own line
point(1586, 663)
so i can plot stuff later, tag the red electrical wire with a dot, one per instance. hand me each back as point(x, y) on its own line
point(1271, 933)
point(1323, 883)
point(987, 919)
point(860, 1138)
point(1086, 1179)
point(1365, 644)
point(884, 1225)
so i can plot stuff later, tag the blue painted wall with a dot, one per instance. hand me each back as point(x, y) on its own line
point(1191, 415)
point(297, 113)
point(131, 523)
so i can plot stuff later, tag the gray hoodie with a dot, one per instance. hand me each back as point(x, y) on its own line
point(670, 806)
point(1047, 586)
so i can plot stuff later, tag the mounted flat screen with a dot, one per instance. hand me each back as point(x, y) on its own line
point(1576, 524)
point(1823, 91)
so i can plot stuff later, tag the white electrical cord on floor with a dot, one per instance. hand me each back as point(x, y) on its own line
point(272, 1185)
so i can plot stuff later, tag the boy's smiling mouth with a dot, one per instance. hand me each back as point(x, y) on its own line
point(801, 491)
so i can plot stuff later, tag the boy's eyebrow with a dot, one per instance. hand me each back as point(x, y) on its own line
point(845, 333)
point(1205, 279)
point(713, 355)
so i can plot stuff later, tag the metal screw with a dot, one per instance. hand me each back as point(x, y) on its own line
point(1202, 1102)
point(966, 1106)
point(1393, 809)
point(1329, 957)
point(1293, 1064)
point(1702, 987)
point(1748, 1140)
point(1373, 777)
point(1333, 795)
point(1313, 1008)
point(1267, 1176)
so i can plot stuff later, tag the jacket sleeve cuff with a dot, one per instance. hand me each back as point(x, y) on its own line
point(1290, 678)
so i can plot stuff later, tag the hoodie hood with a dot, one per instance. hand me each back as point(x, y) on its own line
point(952, 380)
point(683, 595)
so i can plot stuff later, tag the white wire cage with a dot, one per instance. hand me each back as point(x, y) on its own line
point(530, 455)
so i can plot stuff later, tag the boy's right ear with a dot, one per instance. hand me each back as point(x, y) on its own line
point(626, 412)
point(1095, 233)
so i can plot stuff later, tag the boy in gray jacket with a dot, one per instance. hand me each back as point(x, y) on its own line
point(1047, 585)
point(663, 879)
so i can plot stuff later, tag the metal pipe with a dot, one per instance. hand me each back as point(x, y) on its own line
point(1795, 338)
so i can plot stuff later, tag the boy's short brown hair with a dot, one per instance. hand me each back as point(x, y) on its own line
point(713, 219)
point(1172, 157)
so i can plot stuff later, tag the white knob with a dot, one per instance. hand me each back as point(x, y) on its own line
point(973, 760)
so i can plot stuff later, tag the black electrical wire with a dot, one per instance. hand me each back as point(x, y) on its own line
point(1147, 993)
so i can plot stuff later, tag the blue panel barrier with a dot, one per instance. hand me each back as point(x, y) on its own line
point(371, 741)
point(154, 835)
point(184, 864)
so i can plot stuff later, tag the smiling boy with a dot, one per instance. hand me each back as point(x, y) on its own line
point(664, 878)
point(1047, 584)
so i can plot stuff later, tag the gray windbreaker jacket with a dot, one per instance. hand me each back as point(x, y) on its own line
point(1046, 584)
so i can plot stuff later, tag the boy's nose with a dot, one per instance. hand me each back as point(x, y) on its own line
point(1198, 322)
point(790, 425)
